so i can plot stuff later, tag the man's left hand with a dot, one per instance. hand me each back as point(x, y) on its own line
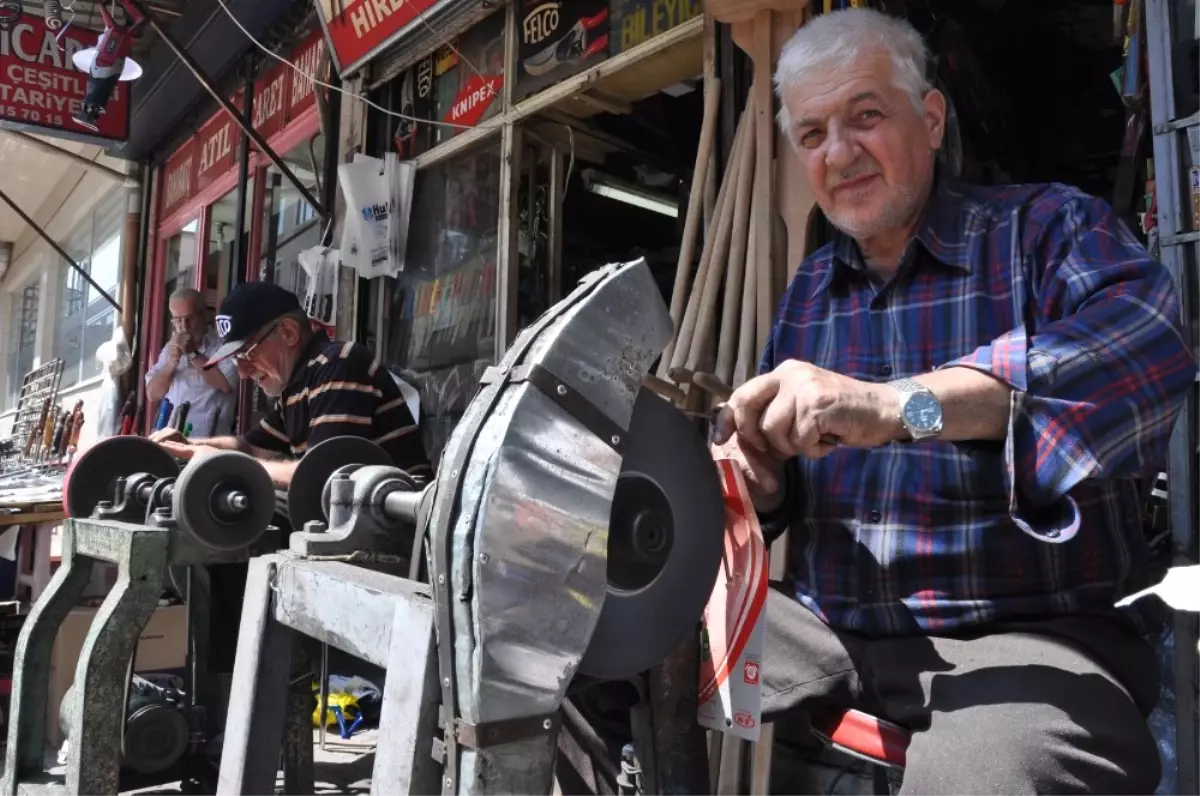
point(799, 409)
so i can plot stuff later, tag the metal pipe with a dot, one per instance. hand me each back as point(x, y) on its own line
point(403, 506)
point(61, 251)
point(133, 244)
point(237, 263)
point(78, 159)
point(186, 59)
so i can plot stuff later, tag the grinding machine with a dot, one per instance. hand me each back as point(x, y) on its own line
point(130, 505)
point(573, 533)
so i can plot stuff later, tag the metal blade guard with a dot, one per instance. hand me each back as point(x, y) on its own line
point(518, 529)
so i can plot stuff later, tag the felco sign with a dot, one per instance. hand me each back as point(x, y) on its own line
point(559, 38)
point(358, 29)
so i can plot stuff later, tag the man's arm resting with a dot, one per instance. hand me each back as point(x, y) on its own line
point(1099, 376)
point(975, 405)
point(240, 444)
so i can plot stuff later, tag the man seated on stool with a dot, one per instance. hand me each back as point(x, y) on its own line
point(179, 375)
point(321, 388)
point(955, 405)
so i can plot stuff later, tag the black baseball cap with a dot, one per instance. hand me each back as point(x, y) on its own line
point(246, 311)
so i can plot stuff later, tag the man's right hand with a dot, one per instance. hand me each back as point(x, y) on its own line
point(168, 435)
point(763, 472)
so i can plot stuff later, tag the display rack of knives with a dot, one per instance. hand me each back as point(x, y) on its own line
point(43, 437)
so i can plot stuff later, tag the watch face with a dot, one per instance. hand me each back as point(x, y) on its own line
point(922, 412)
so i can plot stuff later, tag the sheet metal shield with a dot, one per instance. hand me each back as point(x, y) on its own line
point(306, 492)
point(669, 495)
point(198, 510)
point(519, 519)
point(92, 474)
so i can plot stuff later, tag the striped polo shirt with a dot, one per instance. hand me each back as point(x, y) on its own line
point(341, 389)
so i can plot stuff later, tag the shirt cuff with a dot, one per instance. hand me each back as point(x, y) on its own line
point(1037, 511)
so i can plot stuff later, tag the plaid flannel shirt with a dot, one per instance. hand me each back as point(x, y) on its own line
point(1040, 286)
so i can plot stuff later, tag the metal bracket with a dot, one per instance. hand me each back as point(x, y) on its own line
point(573, 402)
point(496, 733)
point(186, 59)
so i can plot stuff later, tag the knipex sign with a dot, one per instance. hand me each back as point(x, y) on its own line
point(358, 29)
point(40, 88)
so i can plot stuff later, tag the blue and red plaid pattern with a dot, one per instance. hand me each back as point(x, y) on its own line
point(1043, 287)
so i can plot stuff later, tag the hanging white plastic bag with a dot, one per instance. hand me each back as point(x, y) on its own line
point(320, 264)
point(401, 175)
point(367, 200)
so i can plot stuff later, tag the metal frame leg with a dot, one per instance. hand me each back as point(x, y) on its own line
point(259, 691)
point(404, 760)
point(96, 715)
point(25, 754)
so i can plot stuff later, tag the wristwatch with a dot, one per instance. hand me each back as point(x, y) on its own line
point(920, 410)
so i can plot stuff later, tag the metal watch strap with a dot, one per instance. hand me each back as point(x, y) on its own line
point(908, 386)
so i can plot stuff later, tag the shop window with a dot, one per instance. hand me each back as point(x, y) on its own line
point(290, 224)
point(222, 240)
point(180, 266)
point(22, 337)
point(440, 312)
point(85, 318)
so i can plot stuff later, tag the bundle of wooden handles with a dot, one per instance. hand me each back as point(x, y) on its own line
point(737, 253)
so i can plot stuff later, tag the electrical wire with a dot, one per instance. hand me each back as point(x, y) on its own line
point(351, 94)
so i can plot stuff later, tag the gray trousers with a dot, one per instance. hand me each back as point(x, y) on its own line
point(1045, 706)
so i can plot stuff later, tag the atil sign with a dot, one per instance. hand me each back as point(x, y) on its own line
point(359, 29)
point(280, 95)
point(40, 88)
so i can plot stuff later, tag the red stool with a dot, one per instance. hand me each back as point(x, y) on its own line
point(860, 735)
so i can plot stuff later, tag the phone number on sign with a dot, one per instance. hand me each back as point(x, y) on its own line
point(33, 115)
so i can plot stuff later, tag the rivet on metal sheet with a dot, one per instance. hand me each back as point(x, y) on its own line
point(562, 390)
point(483, 558)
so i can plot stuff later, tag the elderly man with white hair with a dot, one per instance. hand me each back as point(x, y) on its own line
point(957, 399)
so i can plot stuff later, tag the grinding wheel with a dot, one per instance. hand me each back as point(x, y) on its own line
point(156, 736)
point(91, 476)
point(203, 510)
point(665, 542)
point(306, 492)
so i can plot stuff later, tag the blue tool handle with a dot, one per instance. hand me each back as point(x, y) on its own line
point(164, 413)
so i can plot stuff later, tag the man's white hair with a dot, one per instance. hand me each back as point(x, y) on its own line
point(832, 41)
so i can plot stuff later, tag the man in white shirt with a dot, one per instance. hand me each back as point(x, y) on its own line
point(179, 376)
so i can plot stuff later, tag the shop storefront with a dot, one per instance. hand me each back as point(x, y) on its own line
point(198, 237)
point(504, 169)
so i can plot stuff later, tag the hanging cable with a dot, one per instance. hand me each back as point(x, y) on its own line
point(351, 94)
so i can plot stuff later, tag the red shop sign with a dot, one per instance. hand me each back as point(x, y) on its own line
point(40, 87)
point(179, 178)
point(475, 98)
point(215, 147)
point(270, 92)
point(364, 27)
point(308, 59)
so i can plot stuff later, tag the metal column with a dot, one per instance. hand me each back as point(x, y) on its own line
point(1177, 251)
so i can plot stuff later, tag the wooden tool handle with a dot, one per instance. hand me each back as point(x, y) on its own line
point(712, 385)
point(664, 388)
point(683, 341)
point(695, 213)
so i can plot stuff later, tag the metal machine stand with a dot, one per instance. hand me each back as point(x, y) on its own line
point(204, 516)
point(575, 527)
